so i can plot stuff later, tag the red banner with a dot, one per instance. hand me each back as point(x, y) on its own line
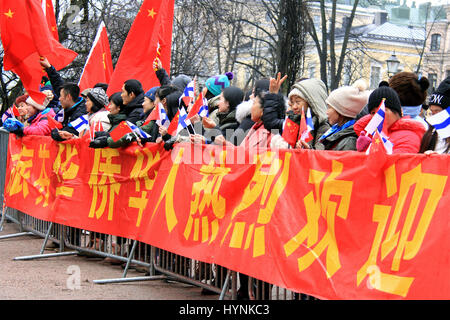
point(335, 225)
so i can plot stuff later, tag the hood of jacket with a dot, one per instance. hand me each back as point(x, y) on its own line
point(243, 110)
point(315, 92)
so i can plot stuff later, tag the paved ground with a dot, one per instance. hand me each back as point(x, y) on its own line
point(47, 279)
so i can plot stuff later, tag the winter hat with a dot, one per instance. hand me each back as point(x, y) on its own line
point(440, 96)
point(216, 84)
point(85, 92)
point(296, 92)
point(151, 93)
point(99, 98)
point(349, 100)
point(261, 85)
point(21, 99)
point(411, 90)
point(42, 106)
point(392, 100)
point(181, 81)
point(234, 96)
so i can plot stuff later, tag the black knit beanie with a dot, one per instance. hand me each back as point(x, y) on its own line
point(234, 96)
point(392, 100)
point(441, 96)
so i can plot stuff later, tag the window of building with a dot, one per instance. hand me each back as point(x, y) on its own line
point(435, 42)
point(432, 78)
point(375, 76)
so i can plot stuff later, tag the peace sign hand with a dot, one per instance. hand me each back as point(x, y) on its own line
point(275, 84)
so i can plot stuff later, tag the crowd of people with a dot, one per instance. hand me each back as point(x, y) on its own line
point(253, 119)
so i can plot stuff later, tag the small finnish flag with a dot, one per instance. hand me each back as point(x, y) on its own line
point(80, 124)
point(138, 130)
point(60, 116)
point(441, 122)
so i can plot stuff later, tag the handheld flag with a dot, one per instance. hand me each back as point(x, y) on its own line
point(441, 122)
point(376, 123)
point(80, 124)
point(188, 94)
point(159, 114)
point(49, 13)
point(290, 132)
point(59, 116)
point(138, 130)
point(53, 124)
point(119, 131)
point(26, 37)
point(152, 26)
point(9, 113)
point(306, 126)
point(380, 139)
point(200, 107)
point(99, 66)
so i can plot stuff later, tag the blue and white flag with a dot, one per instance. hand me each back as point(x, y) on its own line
point(162, 118)
point(60, 115)
point(183, 122)
point(138, 130)
point(376, 123)
point(80, 124)
point(188, 94)
point(441, 122)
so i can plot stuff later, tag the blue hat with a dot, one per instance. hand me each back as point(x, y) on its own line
point(216, 84)
point(151, 93)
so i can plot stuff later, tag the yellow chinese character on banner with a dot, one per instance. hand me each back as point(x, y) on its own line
point(140, 173)
point(167, 193)
point(318, 204)
point(106, 187)
point(268, 182)
point(21, 173)
point(397, 237)
point(43, 183)
point(206, 195)
point(65, 168)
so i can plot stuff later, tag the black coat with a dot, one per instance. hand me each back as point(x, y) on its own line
point(134, 110)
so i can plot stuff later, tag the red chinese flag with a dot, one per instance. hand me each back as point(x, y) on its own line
point(172, 129)
point(196, 106)
point(53, 124)
point(99, 66)
point(119, 131)
point(26, 37)
point(47, 8)
point(290, 132)
point(15, 111)
point(152, 24)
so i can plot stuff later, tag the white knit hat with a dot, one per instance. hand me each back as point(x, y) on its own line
point(349, 100)
point(42, 106)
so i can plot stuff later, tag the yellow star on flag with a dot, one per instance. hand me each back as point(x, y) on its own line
point(151, 13)
point(377, 141)
point(9, 14)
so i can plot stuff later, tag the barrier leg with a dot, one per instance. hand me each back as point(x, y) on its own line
point(41, 254)
point(15, 235)
point(3, 216)
point(225, 286)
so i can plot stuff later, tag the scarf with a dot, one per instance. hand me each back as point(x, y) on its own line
point(336, 128)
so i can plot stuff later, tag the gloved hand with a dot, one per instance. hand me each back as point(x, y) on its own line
point(363, 142)
point(100, 142)
point(168, 145)
point(55, 135)
point(18, 132)
point(12, 124)
point(99, 134)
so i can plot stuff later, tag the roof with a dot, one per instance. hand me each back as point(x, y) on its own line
point(390, 31)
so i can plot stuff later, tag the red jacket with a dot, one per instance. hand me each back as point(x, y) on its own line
point(257, 137)
point(406, 134)
point(39, 125)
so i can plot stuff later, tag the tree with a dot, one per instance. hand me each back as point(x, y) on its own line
point(326, 46)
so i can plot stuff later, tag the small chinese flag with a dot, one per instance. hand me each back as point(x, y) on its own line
point(196, 106)
point(172, 129)
point(154, 115)
point(47, 7)
point(15, 111)
point(290, 132)
point(53, 124)
point(119, 131)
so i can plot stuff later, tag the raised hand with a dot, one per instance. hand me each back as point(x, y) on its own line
point(275, 83)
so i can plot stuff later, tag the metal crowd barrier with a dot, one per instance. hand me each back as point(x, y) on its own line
point(159, 264)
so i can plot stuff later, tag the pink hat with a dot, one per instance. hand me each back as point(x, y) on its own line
point(349, 100)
